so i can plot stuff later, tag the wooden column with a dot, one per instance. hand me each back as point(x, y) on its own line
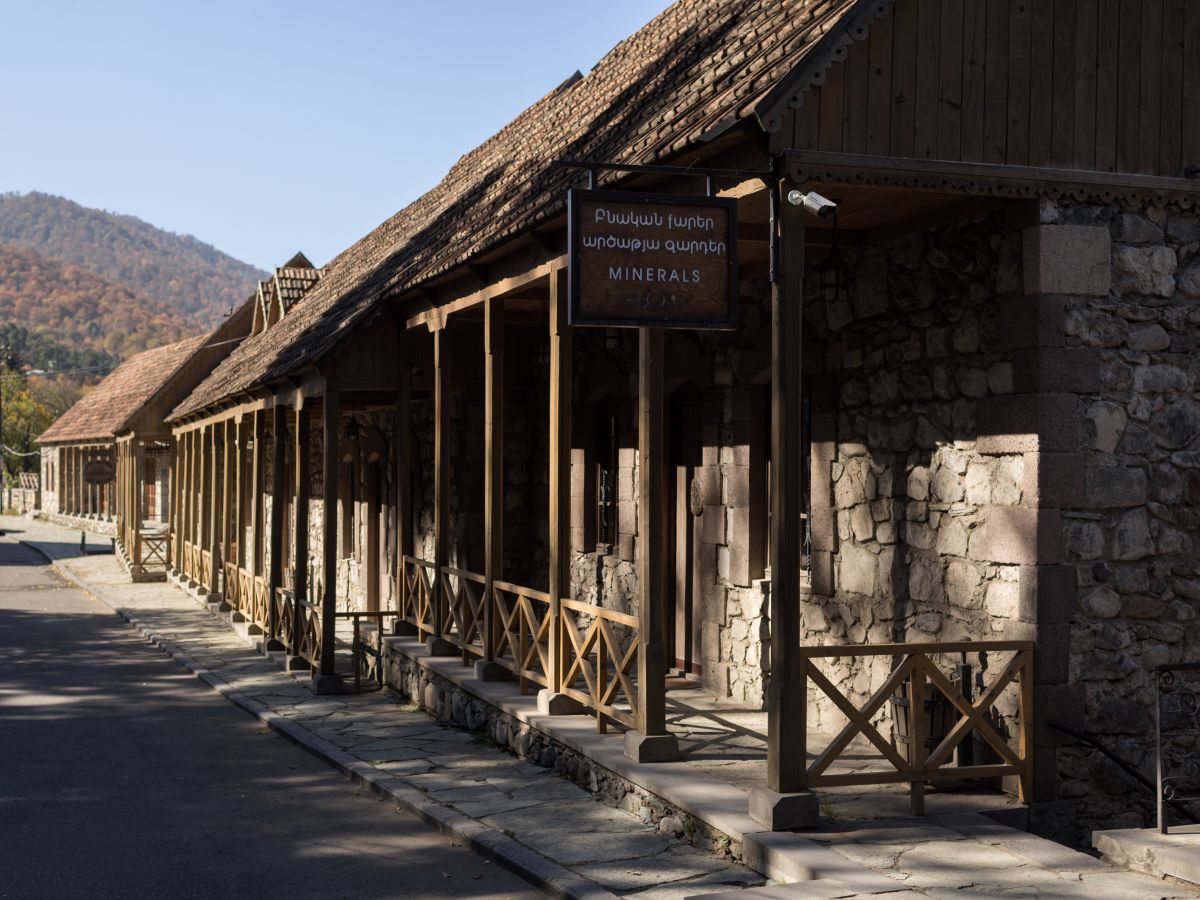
point(552, 701)
point(402, 438)
point(203, 528)
point(135, 461)
point(327, 680)
point(441, 488)
point(493, 475)
point(239, 520)
point(227, 458)
point(173, 501)
point(302, 482)
point(651, 742)
point(256, 486)
point(279, 414)
point(214, 505)
point(785, 803)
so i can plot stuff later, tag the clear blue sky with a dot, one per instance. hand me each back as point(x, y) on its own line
point(267, 127)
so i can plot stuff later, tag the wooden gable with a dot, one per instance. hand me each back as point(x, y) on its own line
point(1092, 85)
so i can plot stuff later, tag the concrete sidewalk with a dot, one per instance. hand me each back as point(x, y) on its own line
point(555, 833)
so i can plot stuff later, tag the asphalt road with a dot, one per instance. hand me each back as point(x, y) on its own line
point(121, 775)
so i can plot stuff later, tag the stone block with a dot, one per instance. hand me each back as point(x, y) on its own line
point(627, 517)
point(784, 812)
point(1067, 259)
point(1052, 658)
point(551, 704)
point(625, 547)
point(1047, 594)
point(1053, 480)
point(1062, 704)
point(711, 525)
point(1114, 487)
point(651, 748)
point(857, 569)
point(822, 573)
point(824, 426)
point(1017, 535)
point(737, 487)
point(1018, 423)
point(824, 529)
point(822, 483)
point(1037, 320)
point(1073, 370)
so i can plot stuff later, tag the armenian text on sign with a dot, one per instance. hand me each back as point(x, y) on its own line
point(667, 260)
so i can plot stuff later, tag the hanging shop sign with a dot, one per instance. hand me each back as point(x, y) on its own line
point(98, 471)
point(667, 260)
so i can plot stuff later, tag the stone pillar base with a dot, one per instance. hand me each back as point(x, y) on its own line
point(553, 704)
point(327, 684)
point(651, 748)
point(489, 671)
point(273, 645)
point(783, 812)
point(253, 629)
point(296, 664)
point(436, 646)
point(400, 628)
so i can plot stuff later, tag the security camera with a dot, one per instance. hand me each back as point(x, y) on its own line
point(821, 207)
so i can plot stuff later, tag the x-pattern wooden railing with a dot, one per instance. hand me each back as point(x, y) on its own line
point(523, 633)
point(310, 636)
point(366, 648)
point(285, 609)
point(191, 567)
point(416, 599)
point(917, 668)
point(206, 568)
point(600, 661)
point(155, 548)
point(260, 599)
point(463, 597)
point(233, 586)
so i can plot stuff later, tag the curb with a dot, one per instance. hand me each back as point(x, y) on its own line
point(510, 853)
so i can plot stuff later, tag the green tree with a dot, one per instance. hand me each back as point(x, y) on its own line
point(25, 417)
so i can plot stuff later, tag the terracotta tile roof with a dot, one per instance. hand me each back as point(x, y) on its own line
point(698, 68)
point(105, 409)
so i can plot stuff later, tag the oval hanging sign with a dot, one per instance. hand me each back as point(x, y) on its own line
point(667, 260)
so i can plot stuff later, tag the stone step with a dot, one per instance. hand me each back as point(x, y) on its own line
point(1173, 855)
point(809, 890)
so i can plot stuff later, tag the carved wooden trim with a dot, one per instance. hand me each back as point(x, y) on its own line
point(983, 179)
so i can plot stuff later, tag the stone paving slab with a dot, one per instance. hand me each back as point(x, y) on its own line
point(549, 829)
point(506, 806)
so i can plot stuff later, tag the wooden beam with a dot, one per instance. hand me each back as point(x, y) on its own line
point(327, 680)
point(441, 489)
point(302, 484)
point(651, 742)
point(560, 481)
point(493, 473)
point(498, 288)
point(278, 486)
point(785, 692)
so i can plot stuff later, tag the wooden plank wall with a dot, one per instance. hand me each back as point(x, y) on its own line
point(1104, 85)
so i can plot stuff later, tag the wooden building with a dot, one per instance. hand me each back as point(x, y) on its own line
point(957, 417)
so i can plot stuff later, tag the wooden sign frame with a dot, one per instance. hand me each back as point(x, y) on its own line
point(577, 314)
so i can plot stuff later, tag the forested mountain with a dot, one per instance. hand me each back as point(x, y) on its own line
point(167, 272)
point(73, 307)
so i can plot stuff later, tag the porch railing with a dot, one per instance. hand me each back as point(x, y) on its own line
point(154, 548)
point(233, 586)
point(260, 600)
point(598, 648)
point(916, 668)
point(206, 568)
point(1177, 738)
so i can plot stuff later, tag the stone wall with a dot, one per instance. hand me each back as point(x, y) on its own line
point(902, 489)
point(51, 459)
point(1129, 486)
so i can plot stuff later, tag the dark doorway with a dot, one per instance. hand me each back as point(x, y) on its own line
point(683, 513)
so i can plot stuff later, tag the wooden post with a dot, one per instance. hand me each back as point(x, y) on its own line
point(786, 803)
point(552, 701)
point(204, 500)
point(214, 500)
point(239, 521)
point(327, 681)
point(226, 491)
point(651, 742)
point(403, 442)
point(136, 462)
point(256, 491)
point(493, 480)
point(303, 480)
point(916, 737)
point(173, 502)
point(278, 486)
point(436, 644)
